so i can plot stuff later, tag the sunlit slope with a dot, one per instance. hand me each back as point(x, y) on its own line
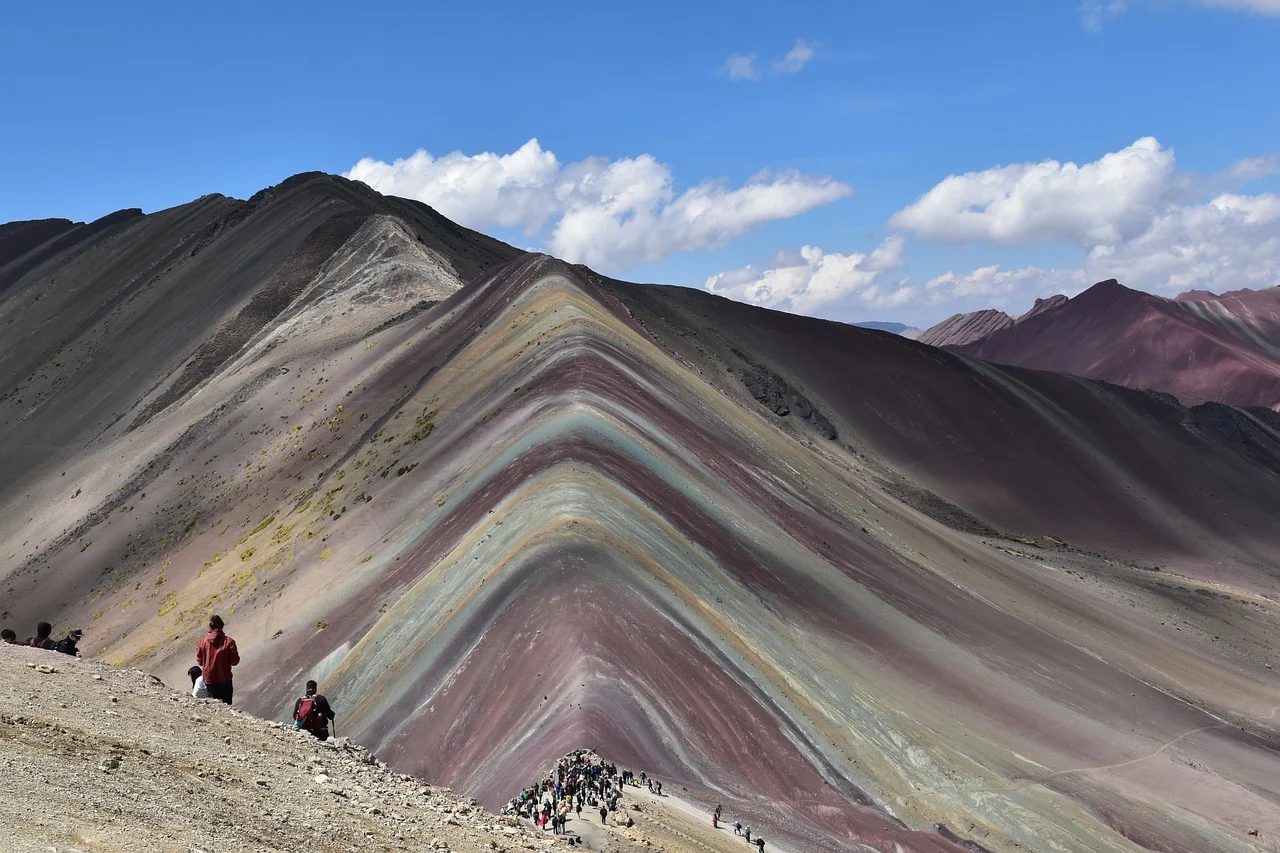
point(549, 513)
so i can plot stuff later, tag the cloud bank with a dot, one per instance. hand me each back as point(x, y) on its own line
point(1130, 212)
point(811, 278)
point(609, 214)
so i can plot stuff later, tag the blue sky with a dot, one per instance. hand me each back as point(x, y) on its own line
point(655, 120)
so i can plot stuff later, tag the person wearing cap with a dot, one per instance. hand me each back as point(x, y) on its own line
point(8, 637)
point(67, 645)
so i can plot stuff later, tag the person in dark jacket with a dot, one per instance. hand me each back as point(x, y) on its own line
point(42, 639)
point(317, 714)
point(8, 637)
point(216, 654)
point(67, 645)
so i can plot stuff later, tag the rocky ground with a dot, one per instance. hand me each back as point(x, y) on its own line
point(96, 758)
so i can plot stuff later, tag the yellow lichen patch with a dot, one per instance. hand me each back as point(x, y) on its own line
point(327, 553)
point(282, 533)
point(262, 525)
point(167, 605)
point(247, 553)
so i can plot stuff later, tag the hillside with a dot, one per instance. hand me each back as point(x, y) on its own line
point(862, 591)
point(1199, 347)
point(105, 759)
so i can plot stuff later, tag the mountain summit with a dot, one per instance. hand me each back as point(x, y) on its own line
point(1198, 347)
point(864, 592)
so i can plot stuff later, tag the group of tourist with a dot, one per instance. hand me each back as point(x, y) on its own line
point(44, 639)
point(583, 780)
point(580, 780)
point(738, 828)
point(216, 654)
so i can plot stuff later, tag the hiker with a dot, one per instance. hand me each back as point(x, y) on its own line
point(737, 827)
point(718, 810)
point(67, 645)
point(604, 813)
point(216, 654)
point(42, 640)
point(748, 835)
point(312, 712)
point(198, 690)
point(8, 637)
point(715, 820)
point(759, 844)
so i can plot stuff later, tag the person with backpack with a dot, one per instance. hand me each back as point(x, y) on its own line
point(8, 637)
point(198, 690)
point(216, 654)
point(67, 645)
point(42, 639)
point(312, 712)
point(759, 844)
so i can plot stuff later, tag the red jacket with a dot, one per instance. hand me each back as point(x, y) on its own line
point(216, 654)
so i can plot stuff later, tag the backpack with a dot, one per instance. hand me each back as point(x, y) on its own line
point(308, 715)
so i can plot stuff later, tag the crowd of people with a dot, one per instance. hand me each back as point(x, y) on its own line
point(44, 640)
point(583, 780)
point(580, 780)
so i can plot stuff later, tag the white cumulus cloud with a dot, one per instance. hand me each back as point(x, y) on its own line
point(1233, 241)
point(1107, 200)
point(805, 281)
point(995, 286)
point(1228, 243)
point(609, 214)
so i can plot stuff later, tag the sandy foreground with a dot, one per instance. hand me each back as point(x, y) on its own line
point(96, 758)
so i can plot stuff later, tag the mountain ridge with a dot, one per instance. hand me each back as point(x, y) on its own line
point(1200, 349)
point(554, 507)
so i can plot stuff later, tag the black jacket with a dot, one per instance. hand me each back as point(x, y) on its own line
point(67, 646)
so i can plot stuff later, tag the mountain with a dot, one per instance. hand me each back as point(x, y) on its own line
point(893, 328)
point(1198, 347)
point(862, 591)
point(960, 329)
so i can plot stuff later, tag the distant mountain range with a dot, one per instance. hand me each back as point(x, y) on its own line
point(896, 328)
point(1199, 347)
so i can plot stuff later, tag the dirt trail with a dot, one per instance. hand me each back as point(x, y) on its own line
point(97, 758)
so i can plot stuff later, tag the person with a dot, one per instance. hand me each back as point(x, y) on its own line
point(604, 813)
point(42, 640)
point(67, 645)
point(759, 844)
point(715, 820)
point(8, 637)
point(312, 712)
point(748, 834)
point(216, 654)
point(198, 690)
point(737, 827)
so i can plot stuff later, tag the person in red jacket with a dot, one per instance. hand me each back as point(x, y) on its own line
point(216, 654)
